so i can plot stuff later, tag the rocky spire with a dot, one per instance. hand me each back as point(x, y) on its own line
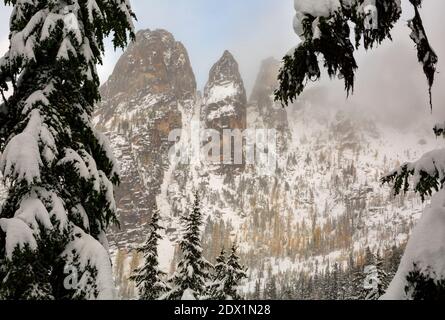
point(142, 102)
point(225, 71)
point(155, 63)
point(266, 82)
point(262, 103)
point(225, 97)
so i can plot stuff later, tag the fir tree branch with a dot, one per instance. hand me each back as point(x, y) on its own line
point(425, 53)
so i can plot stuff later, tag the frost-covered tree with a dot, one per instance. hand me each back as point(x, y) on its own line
point(235, 274)
point(423, 261)
point(257, 291)
point(216, 288)
point(149, 278)
point(375, 279)
point(58, 169)
point(324, 27)
point(271, 290)
point(193, 270)
point(228, 275)
point(425, 285)
point(270, 287)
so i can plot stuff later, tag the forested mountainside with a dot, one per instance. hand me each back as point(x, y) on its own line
point(314, 218)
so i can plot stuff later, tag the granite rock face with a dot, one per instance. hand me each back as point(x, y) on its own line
point(144, 99)
point(225, 100)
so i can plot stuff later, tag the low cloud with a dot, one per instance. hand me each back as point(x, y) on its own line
point(390, 84)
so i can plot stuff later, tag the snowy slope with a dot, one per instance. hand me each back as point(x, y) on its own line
point(324, 202)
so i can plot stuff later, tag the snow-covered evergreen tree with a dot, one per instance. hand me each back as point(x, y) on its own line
point(270, 288)
point(257, 294)
point(324, 29)
point(425, 285)
point(193, 270)
point(235, 274)
point(216, 288)
point(375, 278)
point(59, 170)
point(371, 280)
point(422, 263)
point(149, 278)
point(228, 274)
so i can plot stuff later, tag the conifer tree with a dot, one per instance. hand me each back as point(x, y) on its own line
point(376, 279)
point(235, 274)
point(216, 290)
point(58, 169)
point(371, 280)
point(349, 285)
point(335, 283)
point(422, 285)
point(193, 270)
point(325, 30)
point(270, 289)
point(257, 291)
point(149, 278)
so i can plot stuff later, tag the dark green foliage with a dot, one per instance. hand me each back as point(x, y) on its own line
point(148, 278)
point(426, 185)
point(425, 53)
point(333, 44)
point(300, 68)
point(423, 286)
point(216, 288)
point(235, 274)
point(55, 91)
point(193, 270)
point(439, 130)
point(427, 182)
point(388, 14)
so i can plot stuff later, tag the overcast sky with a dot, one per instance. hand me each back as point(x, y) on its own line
point(389, 82)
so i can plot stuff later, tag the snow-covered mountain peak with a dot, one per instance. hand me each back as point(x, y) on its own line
point(225, 81)
point(225, 101)
point(266, 81)
point(151, 90)
point(225, 69)
point(153, 65)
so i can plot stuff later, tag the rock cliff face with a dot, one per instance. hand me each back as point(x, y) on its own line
point(155, 64)
point(224, 107)
point(144, 99)
point(225, 100)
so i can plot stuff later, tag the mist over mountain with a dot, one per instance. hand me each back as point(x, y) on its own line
point(324, 202)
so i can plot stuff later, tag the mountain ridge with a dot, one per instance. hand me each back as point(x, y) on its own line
point(323, 206)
